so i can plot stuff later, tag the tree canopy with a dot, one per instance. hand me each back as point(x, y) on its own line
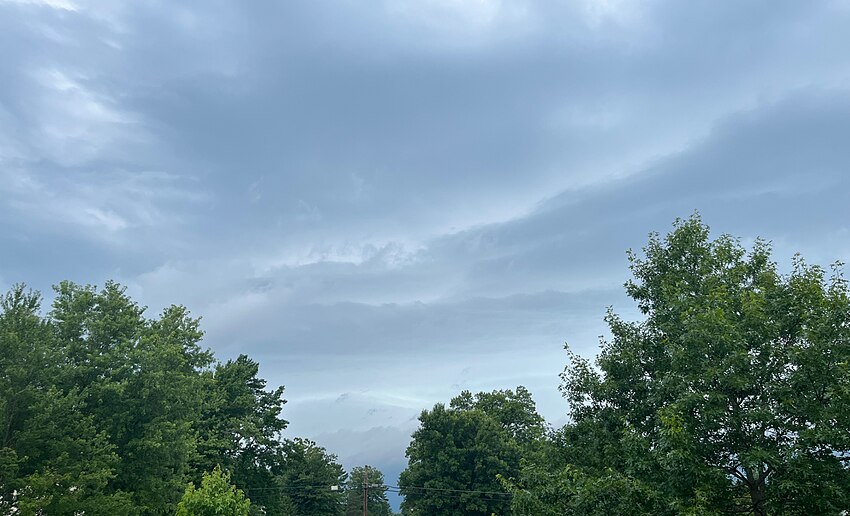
point(458, 453)
point(730, 395)
point(106, 411)
point(309, 471)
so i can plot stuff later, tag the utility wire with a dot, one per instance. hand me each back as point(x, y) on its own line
point(388, 487)
point(283, 488)
point(446, 490)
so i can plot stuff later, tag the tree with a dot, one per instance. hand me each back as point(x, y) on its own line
point(377, 494)
point(106, 411)
point(515, 412)
point(458, 453)
point(240, 427)
point(306, 477)
point(140, 382)
point(53, 459)
point(732, 394)
point(568, 491)
point(215, 497)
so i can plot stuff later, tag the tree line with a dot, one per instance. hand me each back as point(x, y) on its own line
point(106, 411)
point(729, 395)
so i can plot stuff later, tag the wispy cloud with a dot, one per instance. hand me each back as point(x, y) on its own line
point(64, 5)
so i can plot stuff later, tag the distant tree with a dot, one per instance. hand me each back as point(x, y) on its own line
point(732, 395)
point(306, 477)
point(458, 453)
point(216, 497)
point(377, 493)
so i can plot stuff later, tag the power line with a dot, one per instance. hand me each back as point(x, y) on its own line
point(447, 490)
point(388, 487)
point(283, 488)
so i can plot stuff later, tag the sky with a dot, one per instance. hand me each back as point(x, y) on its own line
point(386, 202)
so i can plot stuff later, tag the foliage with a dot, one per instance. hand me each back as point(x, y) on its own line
point(732, 395)
point(52, 456)
point(216, 497)
point(457, 454)
point(513, 411)
point(571, 492)
point(308, 472)
point(140, 381)
point(240, 428)
point(105, 411)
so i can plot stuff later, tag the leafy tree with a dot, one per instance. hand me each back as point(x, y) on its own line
point(53, 459)
point(69, 463)
point(240, 429)
point(26, 364)
point(377, 493)
point(140, 382)
point(308, 472)
point(569, 491)
point(216, 497)
point(106, 411)
point(458, 453)
point(731, 395)
point(513, 411)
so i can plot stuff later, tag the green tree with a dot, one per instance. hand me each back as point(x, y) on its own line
point(240, 429)
point(139, 380)
point(307, 474)
point(106, 411)
point(216, 497)
point(513, 411)
point(458, 453)
point(569, 491)
point(732, 394)
point(377, 493)
point(51, 455)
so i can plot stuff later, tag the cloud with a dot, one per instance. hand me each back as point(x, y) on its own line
point(526, 285)
point(63, 5)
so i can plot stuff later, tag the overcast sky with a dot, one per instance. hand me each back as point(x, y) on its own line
point(387, 201)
